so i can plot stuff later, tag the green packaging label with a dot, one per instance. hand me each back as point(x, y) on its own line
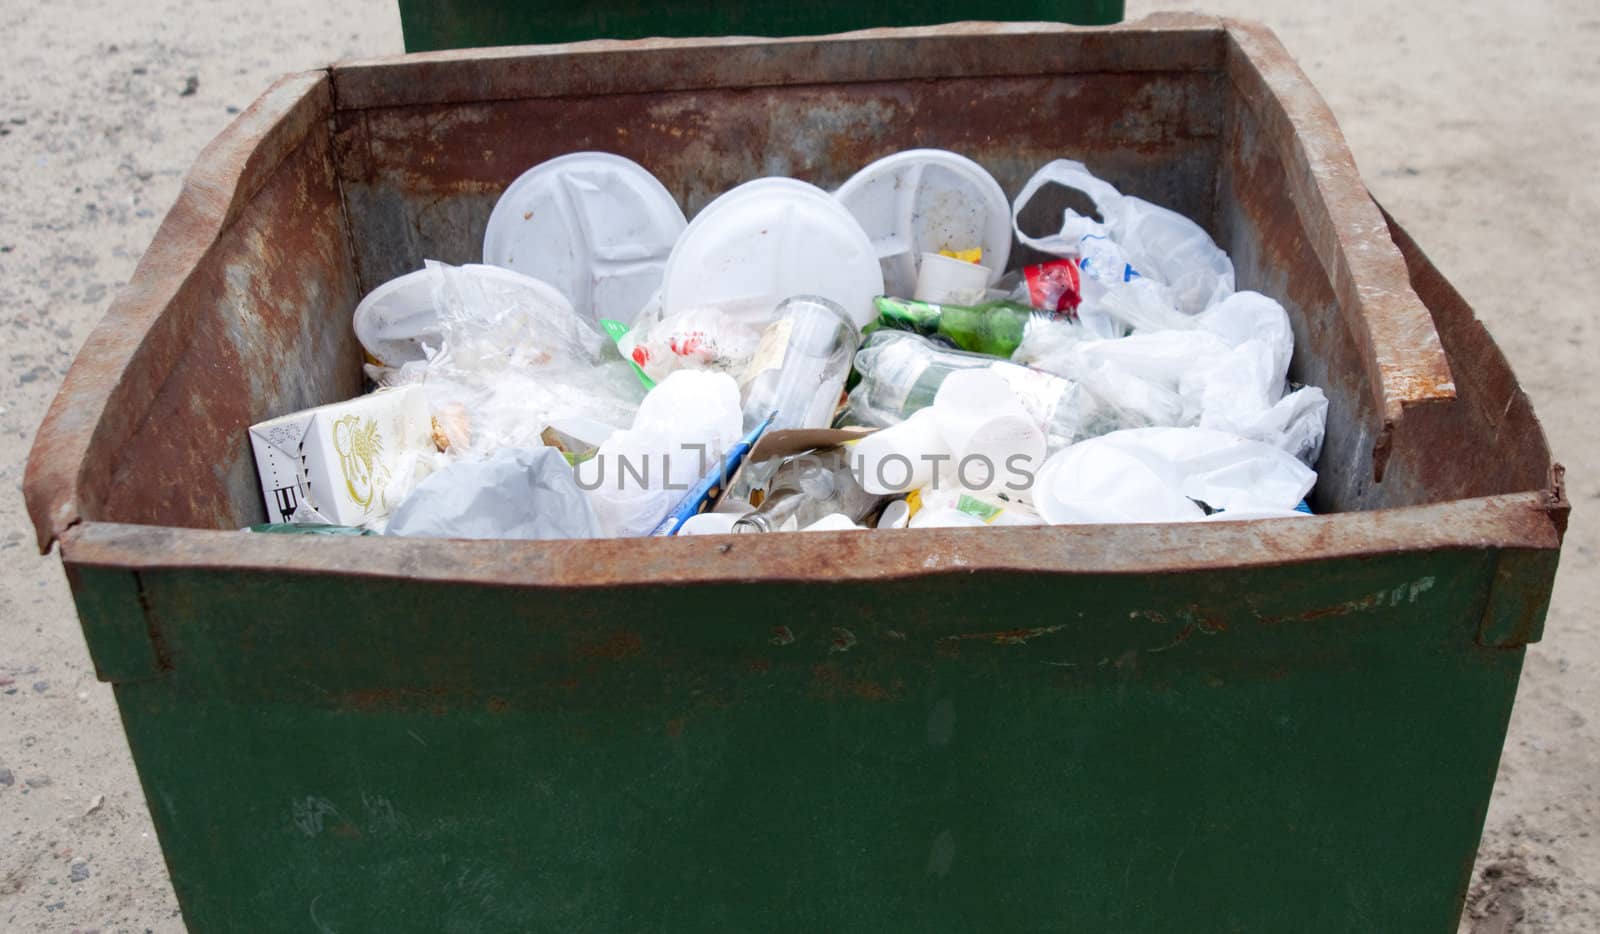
point(616, 330)
point(977, 507)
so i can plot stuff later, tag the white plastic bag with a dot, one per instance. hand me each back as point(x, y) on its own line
point(1297, 423)
point(1227, 366)
point(1132, 239)
point(1163, 474)
point(526, 493)
point(680, 433)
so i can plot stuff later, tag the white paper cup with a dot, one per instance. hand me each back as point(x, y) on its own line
point(900, 458)
point(993, 442)
point(947, 279)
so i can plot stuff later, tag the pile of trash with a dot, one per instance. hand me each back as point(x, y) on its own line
point(798, 360)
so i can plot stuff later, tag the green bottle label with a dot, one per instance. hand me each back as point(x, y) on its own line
point(907, 314)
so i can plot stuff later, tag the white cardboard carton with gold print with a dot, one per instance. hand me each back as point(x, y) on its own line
point(334, 463)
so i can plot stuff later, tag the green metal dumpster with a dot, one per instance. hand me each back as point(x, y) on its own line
point(430, 25)
point(1288, 725)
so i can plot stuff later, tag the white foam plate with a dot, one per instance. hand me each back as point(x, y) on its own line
point(768, 240)
point(927, 200)
point(595, 225)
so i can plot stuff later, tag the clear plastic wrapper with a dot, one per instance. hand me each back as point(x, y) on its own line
point(696, 339)
point(508, 362)
point(1224, 368)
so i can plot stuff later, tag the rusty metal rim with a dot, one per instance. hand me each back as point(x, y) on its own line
point(1522, 521)
point(613, 66)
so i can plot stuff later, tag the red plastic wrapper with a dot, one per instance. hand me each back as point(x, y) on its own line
point(1053, 287)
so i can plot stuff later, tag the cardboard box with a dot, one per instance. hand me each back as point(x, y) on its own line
point(333, 463)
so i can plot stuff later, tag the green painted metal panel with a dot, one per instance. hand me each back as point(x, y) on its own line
point(1305, 748)
point(111, 611)
point(456, 24)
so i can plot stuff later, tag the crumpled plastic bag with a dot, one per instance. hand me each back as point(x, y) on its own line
point(1163, 474)
point(1133, 239)
point(696, 339)
point(1225, 368)
point(680, 434)
point(1296, 423)
point(516, 493)
point(509, 360)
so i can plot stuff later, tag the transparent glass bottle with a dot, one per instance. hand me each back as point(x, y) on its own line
point(807, 487)
point(901, 373)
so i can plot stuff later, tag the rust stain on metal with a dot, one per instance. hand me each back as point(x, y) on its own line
point(1441, 449)
point(1006, 636)
point(1406, 593)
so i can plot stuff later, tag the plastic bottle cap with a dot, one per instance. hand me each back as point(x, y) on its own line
point(399, 316)
point(923, 201)
point(768, 240)
point(595, 225)
point(943, 279)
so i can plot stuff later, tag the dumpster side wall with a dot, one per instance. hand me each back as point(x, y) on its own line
point(1491, 441)
point(1307, 747)
point(239, 312)
point(1266, 235)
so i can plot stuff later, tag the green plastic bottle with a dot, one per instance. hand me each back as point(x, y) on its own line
point(993, 328)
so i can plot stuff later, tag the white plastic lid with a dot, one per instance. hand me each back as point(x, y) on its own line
point(927, 200)
point(595, 225)
point(398, 317)
point(768, 240)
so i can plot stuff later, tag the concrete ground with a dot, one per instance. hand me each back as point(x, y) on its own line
point(1477, 122)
